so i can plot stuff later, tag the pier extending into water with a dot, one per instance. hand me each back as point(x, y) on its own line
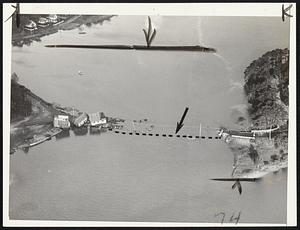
point(251, 134)
point(139, 47)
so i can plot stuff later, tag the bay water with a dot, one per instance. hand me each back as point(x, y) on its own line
point(110, 177)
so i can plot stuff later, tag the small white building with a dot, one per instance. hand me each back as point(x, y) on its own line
point(31, 25)
point(61, 121)
point(53, 18)
point(81, 120)
point(43, 22)
point(97, 119)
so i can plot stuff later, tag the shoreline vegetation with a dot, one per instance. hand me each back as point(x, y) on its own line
point(266, 90)
point(21, 36)
point(33, 123)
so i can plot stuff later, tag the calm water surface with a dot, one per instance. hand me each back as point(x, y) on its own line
point(118, 177)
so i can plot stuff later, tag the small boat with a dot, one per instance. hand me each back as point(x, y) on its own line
point(82, 32)
point(54, 131)
point(37, 139)
point(80, 73)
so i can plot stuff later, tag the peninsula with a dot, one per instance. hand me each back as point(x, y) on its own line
point(33, 119)
point(266, 89)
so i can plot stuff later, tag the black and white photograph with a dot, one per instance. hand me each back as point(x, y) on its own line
point(170, 118)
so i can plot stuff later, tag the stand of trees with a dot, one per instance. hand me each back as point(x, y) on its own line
point(20, 105)
point(266, 88)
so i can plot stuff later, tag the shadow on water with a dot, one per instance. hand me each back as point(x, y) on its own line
point(25, 150)
point(284, 170)
point(65, 133)
point(80, 131)
point(95, 131)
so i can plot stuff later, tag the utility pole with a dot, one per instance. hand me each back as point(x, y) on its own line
point(133, 126)
point(200, 130)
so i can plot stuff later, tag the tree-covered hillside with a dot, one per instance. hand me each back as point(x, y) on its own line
point(20, 104)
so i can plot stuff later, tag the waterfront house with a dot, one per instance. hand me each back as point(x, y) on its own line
point(61, 121)
point(31, 25)
point(43, 22)
point(97, 119)
point(53, 18)
point(81, 120)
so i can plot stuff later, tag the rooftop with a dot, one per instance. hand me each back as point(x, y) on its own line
point(80, 118)
point(96, 116)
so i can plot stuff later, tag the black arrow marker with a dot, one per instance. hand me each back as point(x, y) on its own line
point(180, 124)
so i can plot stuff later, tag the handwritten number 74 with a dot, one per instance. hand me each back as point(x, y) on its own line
point(223, 216)
point(232, 218)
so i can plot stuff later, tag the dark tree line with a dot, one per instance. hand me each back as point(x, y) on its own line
point(265, 78)
point(20, 105)
point(284, 83)
point(24, 19)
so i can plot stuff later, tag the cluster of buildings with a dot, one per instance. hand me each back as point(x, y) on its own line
point(52, 19)
point(94, 119)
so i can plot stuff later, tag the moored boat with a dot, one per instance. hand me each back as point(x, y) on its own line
point(37, 139)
